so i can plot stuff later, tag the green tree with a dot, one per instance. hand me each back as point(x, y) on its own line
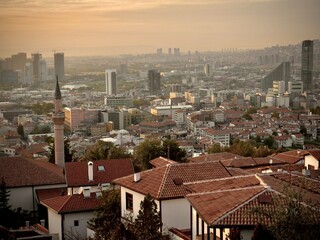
point(6, 213)
point(105, 150)
point(107, 216)
point(172, 151)
point(20, 130)
point(147, 225)
point(290, 217)
point(146, 151)
point(242, 148)
point(269, 141)
point(303, 130)
point(68, 152)
point(216, 148)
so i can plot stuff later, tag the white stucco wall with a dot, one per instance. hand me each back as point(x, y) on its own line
point(54, 223)
point(136, 198)
point(176, 213)
point(25, 197)
point(80, 232)
point(311, 160)
point(21, 197)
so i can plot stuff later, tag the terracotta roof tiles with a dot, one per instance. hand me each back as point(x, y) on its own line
point(159, 182)
point(21, 172)
point(77, 172)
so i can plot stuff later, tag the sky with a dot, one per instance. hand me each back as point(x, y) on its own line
point(112, 27)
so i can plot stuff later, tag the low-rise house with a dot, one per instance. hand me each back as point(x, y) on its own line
point(220, 136)
point(311, 159)
point(165, 185)
point(24, 176)
point(297, 139)
point(283, 141)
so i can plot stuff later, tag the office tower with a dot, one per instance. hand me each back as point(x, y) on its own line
point(278, 87)
point(295, 87)
point(123, 68)
point(169, 51)
point(27, 74)
point(43, 71)
point(153, 81)
point(19, 61)
point(280, 73)
point(307, 64)
point(59, 65)
point(58, 120)
point(176, 51)
point(159, 51)
point(111, 81)
point(208, 70)
point(36, 66)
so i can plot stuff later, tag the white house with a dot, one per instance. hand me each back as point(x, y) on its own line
point(165, 185)
point(23, 177)
point(311, 159)
point(68, 215)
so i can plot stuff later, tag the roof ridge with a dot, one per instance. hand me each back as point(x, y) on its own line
point(228, 190)
point(240, 205)
point(220, 179)
point(66, 201)
point(165, 175)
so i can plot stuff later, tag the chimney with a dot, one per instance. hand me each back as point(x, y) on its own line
point(42, 222)
point(90, 171)
point(86, 192)
point(136, 177)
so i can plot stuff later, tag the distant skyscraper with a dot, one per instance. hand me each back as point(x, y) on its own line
point(176, 51)
point(307, 64)
point(59, 65)
point(111, 81)
point(280, 73)
point(207, 70)
point(169, 51)
point(19, 61)
point(36, 67)
point(153, 81)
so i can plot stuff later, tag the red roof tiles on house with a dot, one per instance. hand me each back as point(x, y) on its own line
point(77, 172)
point(21, 172)
point(213, 206)
point(158, 182)
point(72, 203)
point(161, 161)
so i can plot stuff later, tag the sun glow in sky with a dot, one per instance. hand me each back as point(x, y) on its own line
point(108, 27)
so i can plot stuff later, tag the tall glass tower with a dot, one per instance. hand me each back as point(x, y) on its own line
point(307, 64)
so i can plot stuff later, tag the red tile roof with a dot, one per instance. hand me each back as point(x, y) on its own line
point(293, 156)
point(77, 172)
point(159, 182)
point(161, 161)
point(214, 157)
point(21, 172)
point(315, 153)
point(43, 194)
point(72, 203)
point(223, 184)
point(214, 206)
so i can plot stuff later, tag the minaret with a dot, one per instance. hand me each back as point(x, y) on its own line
point(58, 120)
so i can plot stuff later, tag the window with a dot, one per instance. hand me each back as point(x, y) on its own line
point(101, 168)
point(129, 201)
point(76, 223)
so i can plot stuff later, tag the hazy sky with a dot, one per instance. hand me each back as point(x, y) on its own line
point(106, 27)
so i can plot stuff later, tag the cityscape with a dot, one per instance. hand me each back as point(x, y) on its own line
point(164, 139)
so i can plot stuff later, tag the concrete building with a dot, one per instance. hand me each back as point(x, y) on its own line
point(295, 87)
point(77, 118)
point(111, 81)
point(281, 73)
point(278, 87)
point(208, 70)
point(36, 67)
point(59, 65)
point(307, 64)
point(164, 111)
point(121, 119)
point(118, 101)
point(153, 81)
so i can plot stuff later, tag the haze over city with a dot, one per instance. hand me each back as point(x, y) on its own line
point(108, 27)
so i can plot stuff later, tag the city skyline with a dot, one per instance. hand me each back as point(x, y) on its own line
point(108, 27)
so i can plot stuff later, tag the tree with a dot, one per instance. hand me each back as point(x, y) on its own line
point(20, 130)
point(215, 148)
point(147, 225)
point(303, 130)
point(269, 141)
point(6, 213)
point(153, 148)
point(107, 218)
point(105, 150)
point(146, 151)
point(68, 152)
point(290, 217)
point(172, 151)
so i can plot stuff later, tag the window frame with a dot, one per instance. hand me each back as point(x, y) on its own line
point(129, 201)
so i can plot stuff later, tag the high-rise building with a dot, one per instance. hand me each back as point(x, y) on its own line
point(280, 73)
point(111, 81)
point(176, 52)
point(59, 65)
point(36, 67)
point(208, 70)
point(153, 81)
point(307, 64)
point(169, 51)
point(19, 61)
point(58, 120)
